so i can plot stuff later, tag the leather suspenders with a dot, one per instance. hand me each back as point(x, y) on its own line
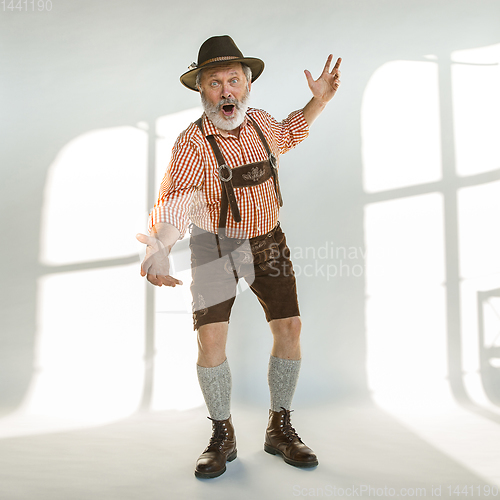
point(251, 174)
point(272, 161)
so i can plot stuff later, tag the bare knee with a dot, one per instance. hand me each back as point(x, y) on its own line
point(286, 333)
point(212, 344)
point(287, 327)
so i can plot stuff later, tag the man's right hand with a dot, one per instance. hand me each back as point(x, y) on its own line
point(155, 264)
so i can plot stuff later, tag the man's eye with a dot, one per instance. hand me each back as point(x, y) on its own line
point(234, 80)
point(214, 84)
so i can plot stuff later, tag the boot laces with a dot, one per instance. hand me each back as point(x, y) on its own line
point(288, 430)
point(219, 434)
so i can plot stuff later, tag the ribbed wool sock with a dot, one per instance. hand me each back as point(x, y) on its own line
point(215, 383)
point(282, 377)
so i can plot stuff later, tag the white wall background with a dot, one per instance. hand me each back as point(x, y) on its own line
point(395, 194)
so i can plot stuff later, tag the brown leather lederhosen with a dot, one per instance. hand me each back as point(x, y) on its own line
point(251, 174)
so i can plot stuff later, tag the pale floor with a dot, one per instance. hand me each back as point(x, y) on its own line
point(151, 456)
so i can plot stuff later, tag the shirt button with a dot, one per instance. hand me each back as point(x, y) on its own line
point(258, 208)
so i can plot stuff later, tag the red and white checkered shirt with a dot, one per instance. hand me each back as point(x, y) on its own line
point(191, 189)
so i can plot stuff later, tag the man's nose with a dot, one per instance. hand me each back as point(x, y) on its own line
point(226, 92)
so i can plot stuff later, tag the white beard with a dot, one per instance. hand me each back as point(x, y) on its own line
point(223, 123)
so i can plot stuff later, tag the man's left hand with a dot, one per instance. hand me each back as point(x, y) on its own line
point(325, 87)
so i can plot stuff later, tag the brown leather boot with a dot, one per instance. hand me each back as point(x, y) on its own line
point(282, 439)
point(222, 448)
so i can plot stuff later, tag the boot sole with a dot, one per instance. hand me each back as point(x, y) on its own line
point(295, 463)
point(208, 475)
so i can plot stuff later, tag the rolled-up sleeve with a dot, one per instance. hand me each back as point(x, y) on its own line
point(289, 132)
point(184, 176)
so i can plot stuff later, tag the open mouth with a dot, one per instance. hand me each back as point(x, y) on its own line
point(228, 109)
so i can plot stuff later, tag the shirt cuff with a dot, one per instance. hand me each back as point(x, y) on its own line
point(160, 214)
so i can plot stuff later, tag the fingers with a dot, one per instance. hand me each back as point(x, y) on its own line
point(159, 280)
point(145, 265)
point(169, 281)
point(148, 268)
point(326, 69)
point(150, 272)
point(336, 73)
point(147, 240)
point(310, 79)
point(153, 280)
point(156, 254)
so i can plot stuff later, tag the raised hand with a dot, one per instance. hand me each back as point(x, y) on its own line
point(155, 264)
point(325, 87)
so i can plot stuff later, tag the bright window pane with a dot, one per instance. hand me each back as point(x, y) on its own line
point(400, 126)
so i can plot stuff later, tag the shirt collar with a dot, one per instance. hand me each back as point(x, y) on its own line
point(211, 129)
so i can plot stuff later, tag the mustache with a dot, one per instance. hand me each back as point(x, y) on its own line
point(230, 100)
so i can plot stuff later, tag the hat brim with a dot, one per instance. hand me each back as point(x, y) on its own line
point(188, 79)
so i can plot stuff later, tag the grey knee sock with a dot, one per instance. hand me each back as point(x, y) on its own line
point(215, 383)
point(282, 377)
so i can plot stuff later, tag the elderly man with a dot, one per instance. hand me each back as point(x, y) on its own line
point(223, 177)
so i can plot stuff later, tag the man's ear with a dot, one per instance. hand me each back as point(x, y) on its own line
point(249, 85)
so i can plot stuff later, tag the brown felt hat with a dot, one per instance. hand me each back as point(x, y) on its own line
point(217, 50)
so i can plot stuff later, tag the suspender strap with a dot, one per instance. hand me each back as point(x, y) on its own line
point(272, 161)
point(225, 176)
point(228, 198)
